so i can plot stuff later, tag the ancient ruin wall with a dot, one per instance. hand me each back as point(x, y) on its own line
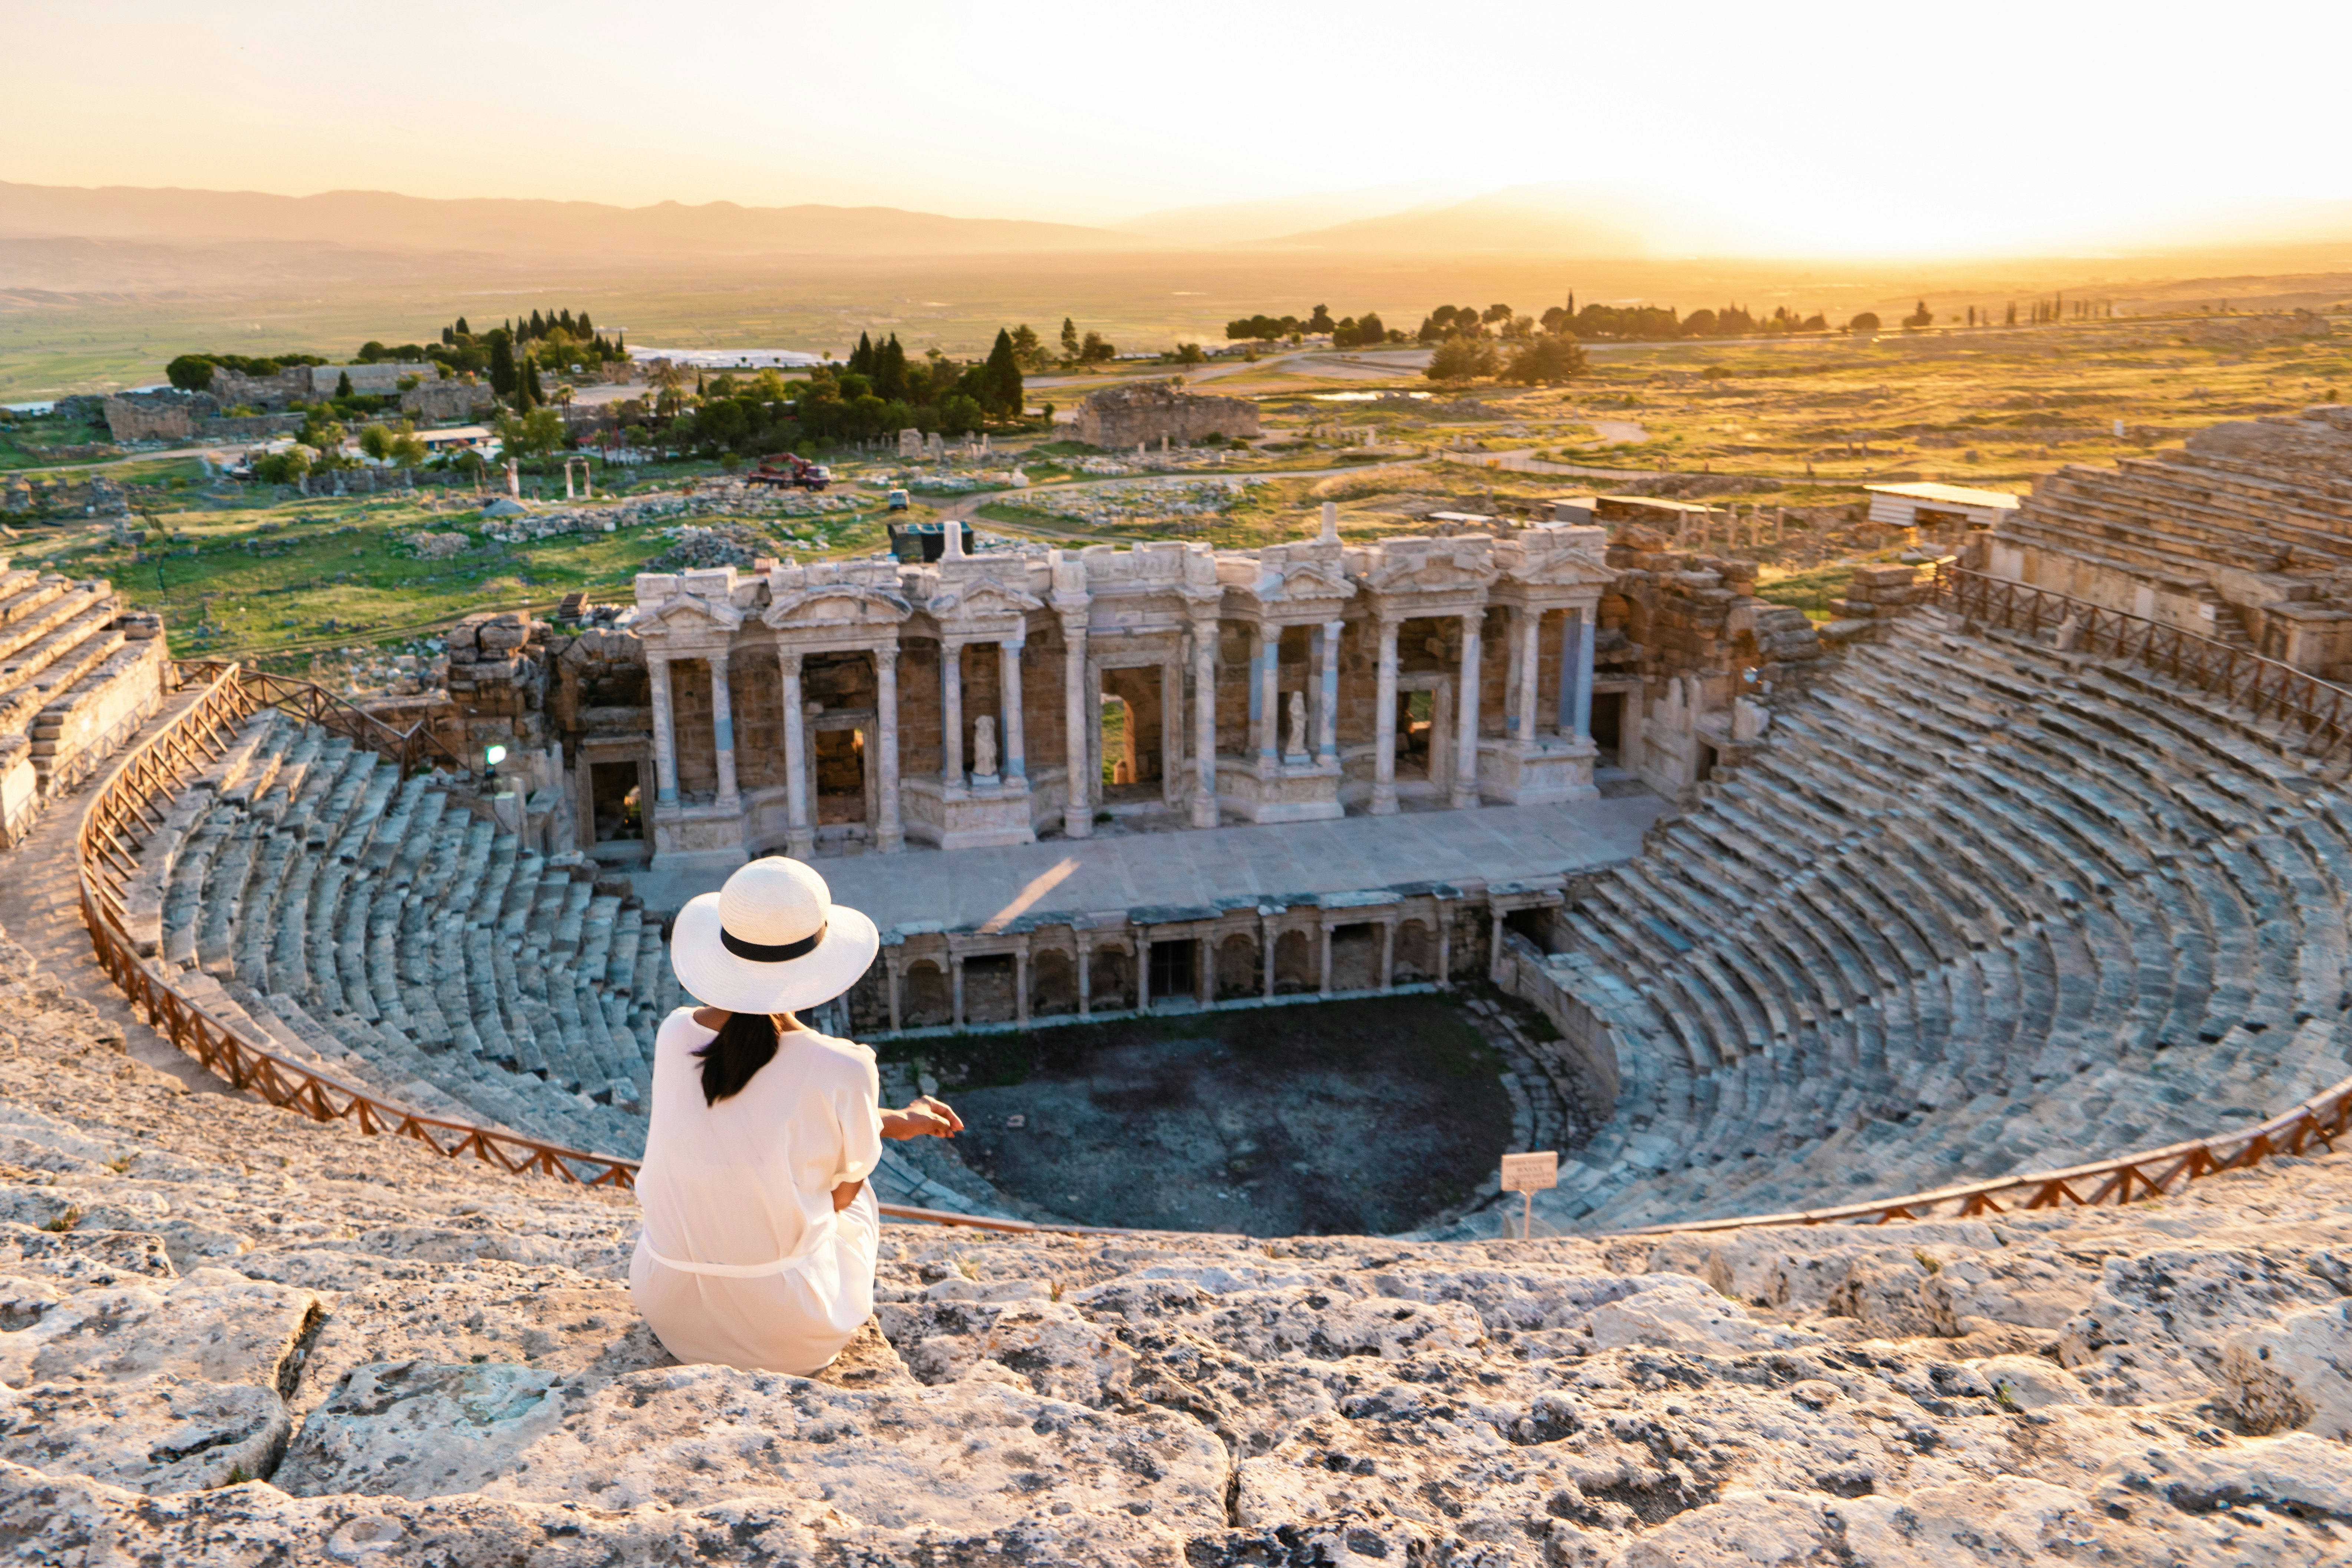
point(1123, 415)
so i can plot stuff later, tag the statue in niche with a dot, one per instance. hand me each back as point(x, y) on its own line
point(984, 747)
point(1298, 747)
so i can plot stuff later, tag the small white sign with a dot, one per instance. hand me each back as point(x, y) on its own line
point(1531, 1172)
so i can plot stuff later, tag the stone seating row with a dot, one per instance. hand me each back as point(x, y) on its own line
point(78, 674)
point(384, 928)
point(1978, 908)
point(379, 931)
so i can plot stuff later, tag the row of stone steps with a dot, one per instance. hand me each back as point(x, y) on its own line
point(1979, 908)
point(380, 927)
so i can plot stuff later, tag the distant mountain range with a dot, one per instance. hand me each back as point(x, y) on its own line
point(1546, 221)
point(380, 220)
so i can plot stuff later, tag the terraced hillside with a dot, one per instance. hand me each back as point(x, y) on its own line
point(1979, 908)
point(231, 1336)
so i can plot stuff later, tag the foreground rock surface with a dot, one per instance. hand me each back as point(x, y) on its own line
point(229, 1336)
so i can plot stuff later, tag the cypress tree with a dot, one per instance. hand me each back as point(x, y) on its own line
point(565, 321)
point(503, 363)
point(344, 384)
point(587, 328)
point(530, 379)
point(464, 331)
point(861, 358)
point(536, 329)
point(890, 371)
point(1002, 377)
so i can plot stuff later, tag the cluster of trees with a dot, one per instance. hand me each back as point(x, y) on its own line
point(193, 372)
point(1537, 359)
point(1347, 332)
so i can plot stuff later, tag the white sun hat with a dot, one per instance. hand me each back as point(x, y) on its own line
point(770, 940)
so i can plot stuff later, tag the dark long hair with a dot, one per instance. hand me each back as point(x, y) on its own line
point(746, 1042)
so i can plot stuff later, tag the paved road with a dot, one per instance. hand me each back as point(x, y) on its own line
point(40, 908)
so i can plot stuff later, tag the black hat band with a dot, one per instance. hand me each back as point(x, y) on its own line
point(769, 952)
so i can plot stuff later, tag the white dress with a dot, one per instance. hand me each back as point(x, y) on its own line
point(742, 1260)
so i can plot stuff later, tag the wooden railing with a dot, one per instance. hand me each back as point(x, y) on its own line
point(314, 704)
point(2263, 687)
point(2126, 1179)
point(126, 811)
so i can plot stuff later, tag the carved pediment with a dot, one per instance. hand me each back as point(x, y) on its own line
point(1309, 580)
point(837, 604)
point(1563, 571)
point(686, 613)
point(983, 599)
point(1433, 573)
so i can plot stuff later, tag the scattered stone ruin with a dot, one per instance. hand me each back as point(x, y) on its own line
point(79, 673)
point(233, 1335)
point(2243, 535)
point(1157, 411)
point(188, 416)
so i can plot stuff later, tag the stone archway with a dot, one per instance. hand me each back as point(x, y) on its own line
point(1052, 983)
point(1110, 980)
point(1416, 952)
point(1237, 970)
point(928, 1000)
point(1296, 963)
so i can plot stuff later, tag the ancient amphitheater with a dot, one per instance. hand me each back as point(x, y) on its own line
point(1944, 1029)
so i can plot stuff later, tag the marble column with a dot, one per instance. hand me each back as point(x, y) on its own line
point(955, 962)
point(888, 837)
point(1387, 954)
point(890, 964)
point(1086, 977)
point(1327, 716)
point(1324, 986)
point(1576, 675)
point(1384, 736)
point(664, 732)
point(1021, 984)
point(1464, 793)
point(1016, 750)
point(1204, 722)
point(800, 838)
point(1269, 941)
point(1204, 971)
point(1269, 700)
point(1529, 626)
point(951, 716)
point(1445, 946)
point(1079, 727)
point(1172, 731)
point(722, 727)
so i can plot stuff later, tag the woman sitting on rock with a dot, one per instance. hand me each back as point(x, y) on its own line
point(760, 1229)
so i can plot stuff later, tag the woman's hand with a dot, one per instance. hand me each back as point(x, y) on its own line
point(925, 1117)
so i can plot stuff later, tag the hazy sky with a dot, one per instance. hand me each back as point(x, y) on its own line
point(1814, 126)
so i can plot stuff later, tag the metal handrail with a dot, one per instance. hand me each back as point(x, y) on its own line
point(125, 813)
point(2265, 687)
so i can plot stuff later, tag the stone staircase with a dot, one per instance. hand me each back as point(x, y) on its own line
point(1979, 908)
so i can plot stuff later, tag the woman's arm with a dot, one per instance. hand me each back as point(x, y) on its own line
point(926, 1117)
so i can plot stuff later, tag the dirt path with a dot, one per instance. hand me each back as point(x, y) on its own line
point(40, 908)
